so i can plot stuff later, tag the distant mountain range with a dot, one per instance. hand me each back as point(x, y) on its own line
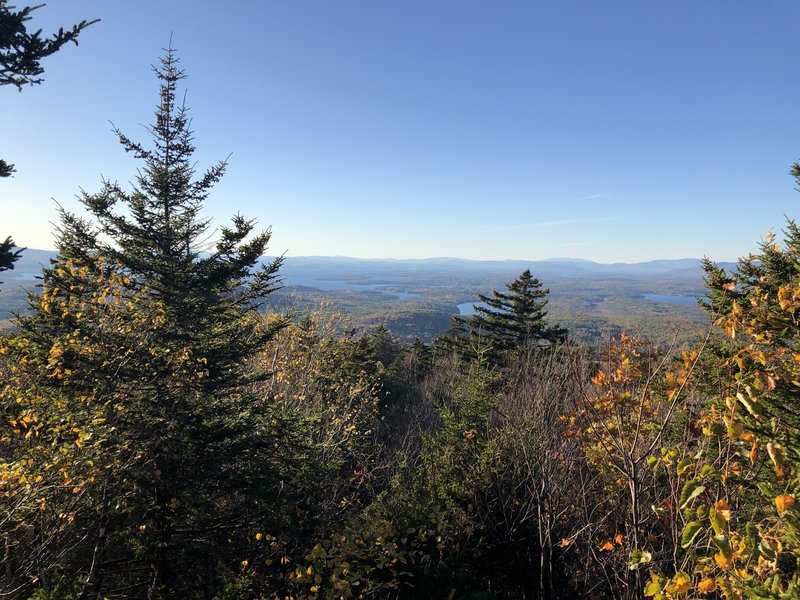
point(418, 297)
point(305, 270)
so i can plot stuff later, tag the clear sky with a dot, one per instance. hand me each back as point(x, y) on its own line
point(611, 131)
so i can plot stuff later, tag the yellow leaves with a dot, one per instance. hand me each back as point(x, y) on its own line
point(259, 536)
point(784, 502)
point(749, 403)
point(56, 352)
point(707, 585)
point(776, 454)
point(724, 562)
point(734, 429)
point(789, 297)
point(681, 583)
point(654, 586)
point(689, 358)
point(723, 509)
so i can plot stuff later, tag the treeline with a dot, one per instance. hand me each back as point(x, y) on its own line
point(161, 438)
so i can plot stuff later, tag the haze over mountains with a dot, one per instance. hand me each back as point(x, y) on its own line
point(417, 298)
point(326, 267)
point(306, 270)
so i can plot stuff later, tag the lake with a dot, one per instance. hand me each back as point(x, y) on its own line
point(668, 299)
point(468, 308)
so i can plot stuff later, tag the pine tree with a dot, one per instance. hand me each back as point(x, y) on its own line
point(510, 321)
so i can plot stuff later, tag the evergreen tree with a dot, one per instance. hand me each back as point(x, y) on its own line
point(509, 321)
point(21, 52)
point(142, 342)
point(207, 298)
point(8, 256)
point(748, 455)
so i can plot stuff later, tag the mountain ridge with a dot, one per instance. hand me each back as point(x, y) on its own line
point(32, 260)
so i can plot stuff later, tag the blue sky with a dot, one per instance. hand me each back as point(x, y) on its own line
point(610, 131)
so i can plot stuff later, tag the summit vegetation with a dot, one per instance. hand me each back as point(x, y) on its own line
point(164, 437)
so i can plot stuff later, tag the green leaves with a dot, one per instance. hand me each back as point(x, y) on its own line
point(691, 490)
point(639, 558)
point(717, 521)
point(689, 534)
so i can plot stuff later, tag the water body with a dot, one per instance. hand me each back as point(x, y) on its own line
point(468, 308)
point(668, 299)
point(20, 276)
point(329, 285)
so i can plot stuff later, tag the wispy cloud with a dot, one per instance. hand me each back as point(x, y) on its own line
point(590, 197)
point(543, 224)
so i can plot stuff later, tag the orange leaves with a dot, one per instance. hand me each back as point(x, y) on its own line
point(707, 585)
point(609, 545)
point(753, 454)
point(600, 379)
point(789, 298)
point(681, 583)
point(784, 502)
point(613, 381)
point(689, 357)
point(606, 546)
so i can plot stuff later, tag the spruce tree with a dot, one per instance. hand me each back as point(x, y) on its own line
point(141, 339)
point(22, 51)
point(509, 321)
point(8, 256)
point(160, 241)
